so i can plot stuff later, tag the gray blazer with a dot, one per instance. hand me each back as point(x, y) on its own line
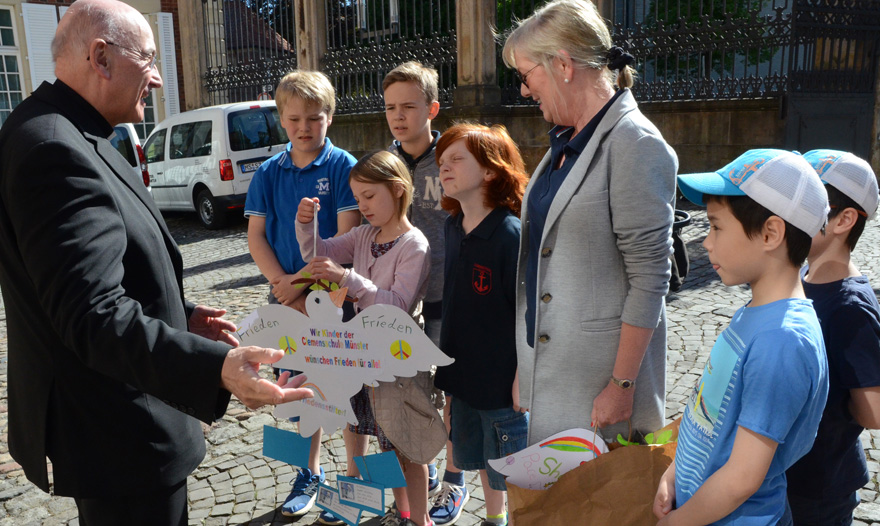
point(604, 260)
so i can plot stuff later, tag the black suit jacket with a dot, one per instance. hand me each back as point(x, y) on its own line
point(104, 378)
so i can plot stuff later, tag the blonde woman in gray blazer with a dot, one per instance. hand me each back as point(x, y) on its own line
point(596, 239)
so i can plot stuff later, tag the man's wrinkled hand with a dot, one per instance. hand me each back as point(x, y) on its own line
point(240, 376)
point(207, 323)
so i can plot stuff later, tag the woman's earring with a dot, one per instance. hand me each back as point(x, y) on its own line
point(566, 81)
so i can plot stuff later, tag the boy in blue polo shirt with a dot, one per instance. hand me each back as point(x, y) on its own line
point(756, 408)
point(310, 167)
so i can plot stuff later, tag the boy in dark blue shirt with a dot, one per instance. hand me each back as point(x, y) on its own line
point(823, 485)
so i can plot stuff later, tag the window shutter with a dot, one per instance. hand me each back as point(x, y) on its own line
point(168, 63)
point(40, 22)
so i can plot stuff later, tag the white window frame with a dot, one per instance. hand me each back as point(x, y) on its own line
point(12, 51)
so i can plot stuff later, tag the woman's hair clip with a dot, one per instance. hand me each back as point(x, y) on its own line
point(618, 58)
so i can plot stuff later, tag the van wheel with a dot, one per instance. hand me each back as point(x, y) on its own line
point(210, 214)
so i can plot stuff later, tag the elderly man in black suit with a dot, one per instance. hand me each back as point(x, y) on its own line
point(110, 369)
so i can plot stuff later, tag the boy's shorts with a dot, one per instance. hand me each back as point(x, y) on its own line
point(479, 435)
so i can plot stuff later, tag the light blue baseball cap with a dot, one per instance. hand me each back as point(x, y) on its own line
point(779, 180)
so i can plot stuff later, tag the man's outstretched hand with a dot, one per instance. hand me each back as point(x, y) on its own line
point(240, 376)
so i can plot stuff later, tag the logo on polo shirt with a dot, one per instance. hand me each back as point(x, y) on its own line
point(323, 186)
point(481, 278)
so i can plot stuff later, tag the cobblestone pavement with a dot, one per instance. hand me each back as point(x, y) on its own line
point(237, 485)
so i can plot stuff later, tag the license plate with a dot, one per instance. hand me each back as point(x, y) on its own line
point(250, 167)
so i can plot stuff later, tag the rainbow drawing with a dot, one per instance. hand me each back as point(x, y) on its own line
point(572, 444)
point(316, 390)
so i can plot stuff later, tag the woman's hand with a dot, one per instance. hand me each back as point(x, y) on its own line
point(613, 405)
point(323, 267)
point(305, 213)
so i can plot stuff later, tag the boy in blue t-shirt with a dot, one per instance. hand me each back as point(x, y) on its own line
point(756, 408)
point(310, 167)
point(823, 485)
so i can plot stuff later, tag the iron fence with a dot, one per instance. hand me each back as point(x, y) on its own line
point(742, 49)
point(507, 13)
point(836, 46)
point(250, 45)
point(367, 39)
point(706, 49)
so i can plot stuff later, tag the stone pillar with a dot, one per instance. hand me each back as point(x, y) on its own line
point(192, 54)
point(606, 9)
point(477, 84)
point(311, 33)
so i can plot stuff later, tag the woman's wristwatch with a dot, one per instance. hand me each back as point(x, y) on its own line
point(625, 383)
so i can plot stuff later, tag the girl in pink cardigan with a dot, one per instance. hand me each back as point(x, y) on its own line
point(390, 259)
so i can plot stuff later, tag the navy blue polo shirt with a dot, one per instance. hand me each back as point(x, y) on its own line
point(544, 191)
point(479, 310)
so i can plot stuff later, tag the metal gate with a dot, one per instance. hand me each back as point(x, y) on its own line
point(833, 74)
point(250, 45)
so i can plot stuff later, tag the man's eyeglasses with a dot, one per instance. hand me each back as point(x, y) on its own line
point(522, 77)
point(151, 57)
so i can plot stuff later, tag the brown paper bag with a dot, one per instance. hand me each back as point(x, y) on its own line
point(614, 489)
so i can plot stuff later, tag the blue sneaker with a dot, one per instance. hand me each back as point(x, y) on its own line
point(302, 496)
point(328, 518)
point(448, 503)
point(433, 480)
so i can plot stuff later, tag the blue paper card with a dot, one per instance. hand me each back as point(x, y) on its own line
point(328, 499)
point(383, 469)
point(361, 494)
point(286, 446)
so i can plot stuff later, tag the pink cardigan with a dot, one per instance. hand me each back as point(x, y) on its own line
point(398, 277)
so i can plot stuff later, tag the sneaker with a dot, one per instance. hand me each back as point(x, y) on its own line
point(392, 518)
point(448, 503)
point(433, 479)
point(487, 523)
point(302, 496)
point(328, 518)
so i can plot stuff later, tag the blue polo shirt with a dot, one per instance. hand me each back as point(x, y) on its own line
point(278, 186)
point(544, 191)
point(479, 310)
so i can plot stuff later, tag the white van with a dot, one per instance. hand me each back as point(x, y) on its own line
point(203, 160)
point(126, 142)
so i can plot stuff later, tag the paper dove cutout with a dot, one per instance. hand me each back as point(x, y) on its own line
point(540, 465)
point(379, 343)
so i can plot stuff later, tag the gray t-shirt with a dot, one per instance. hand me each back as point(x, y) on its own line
point(426, 213)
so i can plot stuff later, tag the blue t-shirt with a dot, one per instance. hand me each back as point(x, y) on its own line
point(767, 373)
point(850, 318)
point(278, 186)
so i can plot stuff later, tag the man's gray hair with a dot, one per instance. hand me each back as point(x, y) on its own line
point(90, 20)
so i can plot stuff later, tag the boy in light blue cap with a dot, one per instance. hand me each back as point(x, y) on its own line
point(756, 408)
point(823, 485)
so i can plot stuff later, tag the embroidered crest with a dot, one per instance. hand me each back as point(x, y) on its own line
point(481, 278)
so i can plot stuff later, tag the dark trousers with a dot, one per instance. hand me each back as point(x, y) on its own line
point(166, 507)
point(827, 511)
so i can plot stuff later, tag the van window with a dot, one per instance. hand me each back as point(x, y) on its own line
point(122, 142)
point(191, 139)
point(255, 128)
point(154, 151)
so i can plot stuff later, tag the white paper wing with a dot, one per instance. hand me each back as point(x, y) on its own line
point(397, 344)
point(539, 466)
